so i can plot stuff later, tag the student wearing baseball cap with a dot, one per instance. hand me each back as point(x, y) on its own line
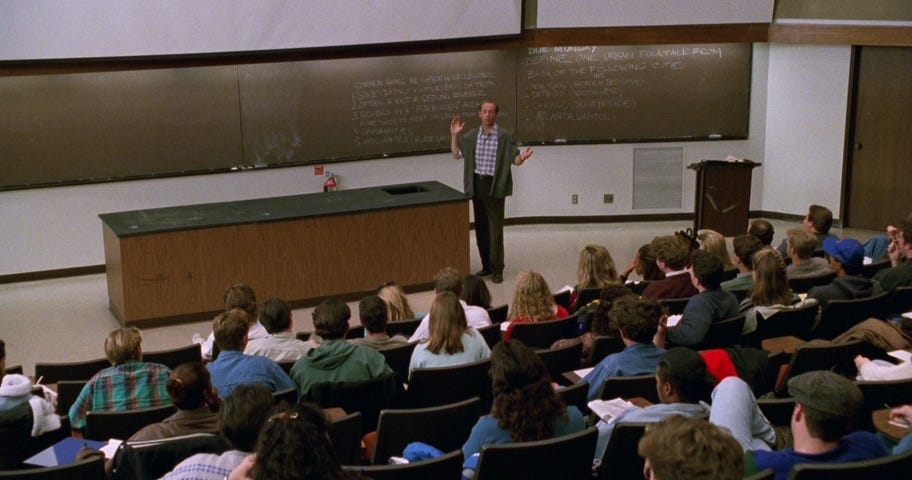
point(847, 259)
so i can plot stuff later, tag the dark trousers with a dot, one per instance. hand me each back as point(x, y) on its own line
point(489, 220)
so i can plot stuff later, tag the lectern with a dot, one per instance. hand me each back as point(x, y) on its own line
point(723, 195)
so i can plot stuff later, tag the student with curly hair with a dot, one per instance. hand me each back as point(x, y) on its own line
point(684, 448)
point(596, 269)
point(525, 407)
point(532, 302)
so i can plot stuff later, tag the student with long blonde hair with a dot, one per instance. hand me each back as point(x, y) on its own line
point(396, 302)
point(714, 243)
point(532, 302)
point(596, 269)
point(451, 341)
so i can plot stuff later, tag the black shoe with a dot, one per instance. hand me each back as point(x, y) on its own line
point(484, 272)
point(497, 278)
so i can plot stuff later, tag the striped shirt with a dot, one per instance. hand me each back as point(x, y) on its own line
point(128, 386)
point(486, 151)
point(207, 466)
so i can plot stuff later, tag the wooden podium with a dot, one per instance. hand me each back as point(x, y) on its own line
point(723, 195)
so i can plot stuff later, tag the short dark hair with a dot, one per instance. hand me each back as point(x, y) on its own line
point(637, 318)
point(488, 100)
point(373, 312)
point(275, 315)
point(745, 246)
point(670, 251)
point(448, 279)
point(707, 268)
point(243, 413)
point(330, 318)
point(230, 328)
point(475, 291)
point(905, 229)
point(2, 350)
point(825, 426)
point(763, 230)
point(821, 217)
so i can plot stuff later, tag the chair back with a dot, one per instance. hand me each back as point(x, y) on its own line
point(86, 470)
point(639, 287)
point(768, 474)
point(777, 410)
point(543, 334)
point(767, 381)
point(345, 435)
point(740, 293)
point(621, 460)
point(871, 269)
point(286, 366)
point(14, 370)
point(103, 426)
point(562, 298)
point(840, 315)
point(628, 387)
point(67, 393)
point(356, 331)
point(491, 334)
point(604, 345)
point(153, 459)
point(446, 467)
point(803, 285)
point(303, 335)
point(366, 396)
point(17, 442)
point(797, 322)
point(175, 356)
point(837, 357)
point(576, 395)
point(674, 306)
point(724, 333)
point(568, 457)
point(891, 467)
point(289, 396)
point(431, 387)
point(446, 427)
point(498, 314)
point(402, 327)
point(900, 301)
point(880, 393)
point(585, 296)
point(55, 372)
point(397, 357)
point(560, 360)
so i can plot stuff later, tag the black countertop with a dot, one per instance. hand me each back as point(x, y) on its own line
point(186, 217)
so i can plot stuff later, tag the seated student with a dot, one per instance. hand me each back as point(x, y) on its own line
point(532, 302)
point(190, 390)
point(681, 448)
point(745, 246)
point(710, 305)
point(526, 407)
point(335, 360)
point(280, 345)
point(596, 314)
point(825, 404)
point(644, 264)
point(19, 406)
point(818, 221)
point(241, 296)
point(713, 242)
point(128, 384)
point(595, 270)
point(475, 291)
point(637, 320)
point(452, 342)
point(671, 257)
point(448, 279)
point(900, 252)
point(846, 257)
point(397, 302)
point(241, 416)
point(293, 445)
point(373, 314)
point(771, 293)
point(682, 384)
point(233, 368)
point(878, 245)
point(763, 230)
point(801, 247)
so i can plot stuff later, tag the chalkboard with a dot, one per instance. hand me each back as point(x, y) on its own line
point(101, 126)
point(368, 107)
point(112, 125)
point(633, 93)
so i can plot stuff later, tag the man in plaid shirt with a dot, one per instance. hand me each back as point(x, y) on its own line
point(489, 152)
point(128, 384)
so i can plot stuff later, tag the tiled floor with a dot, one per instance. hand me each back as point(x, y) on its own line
point(67, 319)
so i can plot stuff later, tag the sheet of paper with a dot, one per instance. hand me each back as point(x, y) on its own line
point(583, 371)
point(673, 320)
point(903, 355)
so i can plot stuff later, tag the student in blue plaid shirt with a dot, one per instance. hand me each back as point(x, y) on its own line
point(128, 384)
